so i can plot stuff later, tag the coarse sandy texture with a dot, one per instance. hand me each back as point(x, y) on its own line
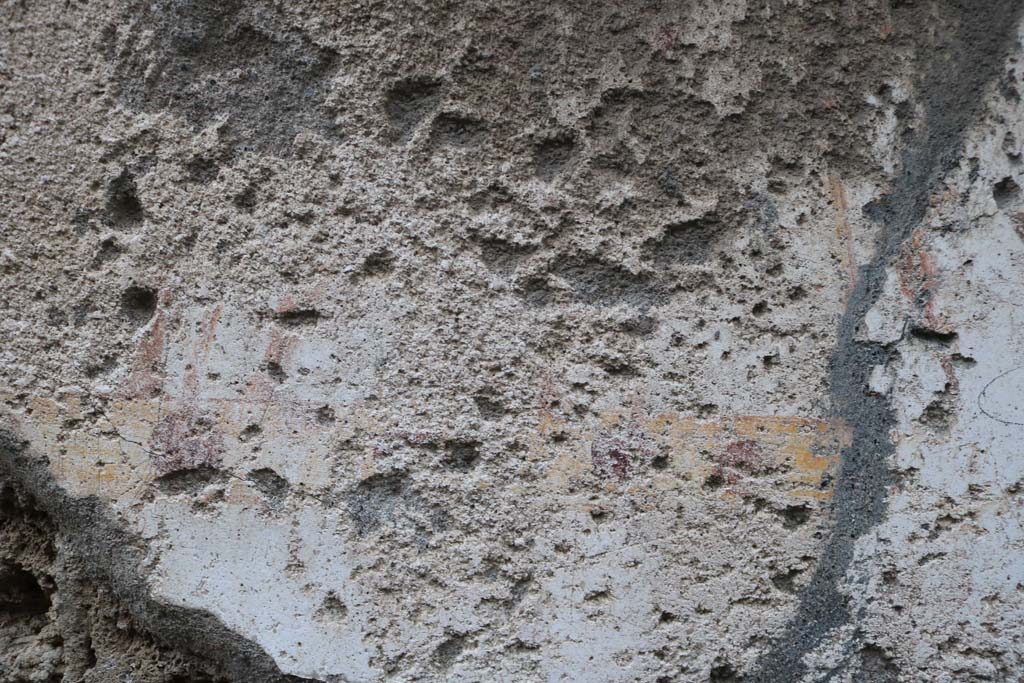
point(513, 341)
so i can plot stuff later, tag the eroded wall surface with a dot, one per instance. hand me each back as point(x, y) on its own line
point(511, 341)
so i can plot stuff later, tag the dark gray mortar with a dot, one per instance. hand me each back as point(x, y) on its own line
point(952, 82)
point(107, 553)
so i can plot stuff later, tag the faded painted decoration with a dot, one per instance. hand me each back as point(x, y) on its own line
point(515, 341)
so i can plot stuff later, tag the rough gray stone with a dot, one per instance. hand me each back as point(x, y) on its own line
point(519, 341)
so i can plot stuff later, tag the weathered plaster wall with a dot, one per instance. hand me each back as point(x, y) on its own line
point(386, 341)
